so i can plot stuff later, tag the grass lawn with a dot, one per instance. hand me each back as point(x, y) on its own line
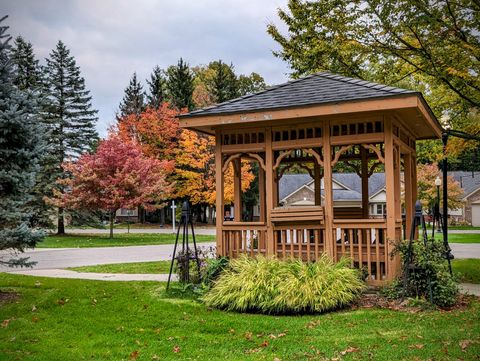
point(469, 269)
point(137, 267)
point(120, 239)
point(58, 319)
point(460, 238)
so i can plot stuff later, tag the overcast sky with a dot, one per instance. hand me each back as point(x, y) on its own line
point(111, 39)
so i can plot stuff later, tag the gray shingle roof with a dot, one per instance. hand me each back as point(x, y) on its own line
point(468, 183)
point(318, 88)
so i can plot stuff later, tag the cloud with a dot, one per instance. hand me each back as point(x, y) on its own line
point(111, 39)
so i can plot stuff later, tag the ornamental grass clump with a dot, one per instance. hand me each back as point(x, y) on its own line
point(272, 286)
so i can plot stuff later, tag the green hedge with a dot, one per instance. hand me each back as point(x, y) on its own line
point(272, 286)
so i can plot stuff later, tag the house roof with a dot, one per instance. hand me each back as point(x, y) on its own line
point(318, 88)
point(289, 183)
point(469, 181)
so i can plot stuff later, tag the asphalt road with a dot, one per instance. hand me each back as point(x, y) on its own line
point(57, 258)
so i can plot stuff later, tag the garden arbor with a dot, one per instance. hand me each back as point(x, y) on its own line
point(319, 124)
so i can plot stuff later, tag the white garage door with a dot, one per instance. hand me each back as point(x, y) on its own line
point(476, 215)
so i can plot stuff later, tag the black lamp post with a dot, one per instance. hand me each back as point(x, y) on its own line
point(438, 183)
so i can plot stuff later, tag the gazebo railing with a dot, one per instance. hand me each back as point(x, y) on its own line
point(244, 238)
point(305, 241)
point(364, 242)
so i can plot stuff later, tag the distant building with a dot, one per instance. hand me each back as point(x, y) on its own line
point(299, 190)
point(470, 183)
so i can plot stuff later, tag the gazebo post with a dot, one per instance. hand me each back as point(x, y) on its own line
point(219, 193)
point(318, 182)
point(269, 189)
point(364, 175)
point(390, 173)
point(409, 204)
point(327, 185)
point(237, 189)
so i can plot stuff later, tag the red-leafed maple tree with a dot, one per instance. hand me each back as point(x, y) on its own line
point(118, 175)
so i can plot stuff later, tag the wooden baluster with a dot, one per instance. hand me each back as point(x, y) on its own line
point(237, 242)
point(350, 242)
point(308, 244)
point(275, 237)
point(369, 256)
point(316, 238)
point(228, 239)
point(292, 233)
point(360, 248)
point(342, 237)
point(284, 244)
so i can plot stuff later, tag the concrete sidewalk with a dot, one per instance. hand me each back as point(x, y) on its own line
point(62, 273)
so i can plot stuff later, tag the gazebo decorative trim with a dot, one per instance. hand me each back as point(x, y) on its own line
point(316, 122)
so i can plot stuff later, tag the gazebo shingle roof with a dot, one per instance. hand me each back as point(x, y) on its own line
point(318, 88)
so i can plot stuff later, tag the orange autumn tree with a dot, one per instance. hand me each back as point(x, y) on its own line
point(427, 191)
point(156, 130)
point(195, 170)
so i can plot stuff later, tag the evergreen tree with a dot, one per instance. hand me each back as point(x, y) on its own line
point(224, 84)
point(157, 88)
point(133, 101)
point(27, 76)
point(21, 146)
point(68, 115)
point(26, 69)
point(180, 85)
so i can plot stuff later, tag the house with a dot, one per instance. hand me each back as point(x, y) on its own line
point(470, 183)
point(299, 190)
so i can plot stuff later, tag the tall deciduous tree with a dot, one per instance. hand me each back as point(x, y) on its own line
point(249, 84)
point(180, 85)
point(157, 88)
point(68, 115)
point(116, 176)
point(156, 130)
point(429, 46)
point(21, 146)
point(133, 101)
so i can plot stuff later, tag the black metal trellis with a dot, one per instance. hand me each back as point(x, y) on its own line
point(185, 222)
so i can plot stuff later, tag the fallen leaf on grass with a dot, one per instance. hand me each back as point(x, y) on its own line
point(176, 349)
point(350, 349)
point(134, 355)
point(248, 336)
point(34, 319)
point(464, 344)
point(418, 346)
point(34, 308)
point(264, 344)
point(5, 323)
point(312, 324)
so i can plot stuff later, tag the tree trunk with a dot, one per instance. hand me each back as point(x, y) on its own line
point(210, 215)
point(61, 222)
point(112, 218)
point(162, 217)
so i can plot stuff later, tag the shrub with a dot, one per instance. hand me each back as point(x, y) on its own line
point(272, 286)
point(427, 265)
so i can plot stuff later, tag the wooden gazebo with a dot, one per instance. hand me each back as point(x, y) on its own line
point(312, 124)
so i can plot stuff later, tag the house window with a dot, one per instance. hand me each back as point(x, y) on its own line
point(378, 209)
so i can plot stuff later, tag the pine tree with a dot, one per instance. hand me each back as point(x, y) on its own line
point(26, 69)
point(224, 84)
point(157, 88)
point(68, 114)
point(133, 101)
point(180, 85)
point(27, 76)
point(21, 146)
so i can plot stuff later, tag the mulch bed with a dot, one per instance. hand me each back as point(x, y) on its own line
point(8, 296)
point(375, 300)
